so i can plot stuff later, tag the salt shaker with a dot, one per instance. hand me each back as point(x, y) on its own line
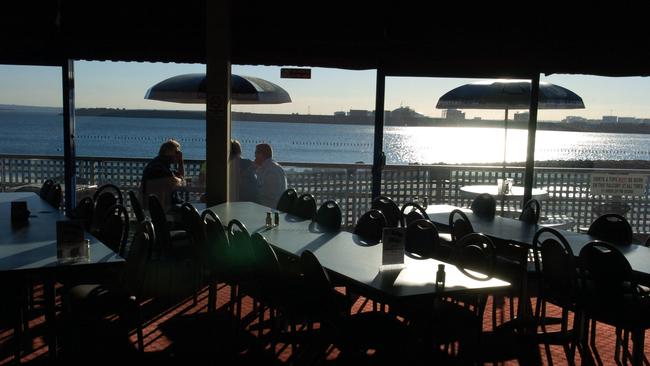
point(269, 220)
point(276, 218)
point(440, 276)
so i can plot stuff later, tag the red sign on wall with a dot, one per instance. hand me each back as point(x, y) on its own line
point(289, 73)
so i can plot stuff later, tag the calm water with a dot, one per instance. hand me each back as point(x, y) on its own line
point(40, 134)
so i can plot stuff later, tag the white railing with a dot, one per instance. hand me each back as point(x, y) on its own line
point(350, 184)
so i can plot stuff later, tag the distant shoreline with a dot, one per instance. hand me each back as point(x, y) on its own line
point(367, 120)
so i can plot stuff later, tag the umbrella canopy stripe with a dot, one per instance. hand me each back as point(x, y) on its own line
point(508, 94)
point(190, 88)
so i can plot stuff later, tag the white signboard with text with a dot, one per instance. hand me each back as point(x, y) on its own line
point(618, 184)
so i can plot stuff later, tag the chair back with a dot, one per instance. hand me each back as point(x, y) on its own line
point(415, 213)
point(113, 189)
point(163, 240)
point(475, 252)
point(304, 207)
point(136, 206)
point(422, 238)
point(459, 225)
point(612, 228)
point(606, 274)
point(267, 265)
point(240, 252)
point(55, 196)
point(370, 226)
point(285, 203)
point(45, 188)
point(135, 269)
point(316, 277)
point(114, 228)
point(484, 205)
point(389, 208)
point(194, 226)
point(329, 215)
point(103, 203)
point(530, 212)
point(215, 252)
point(84, 212)
point(556, 265)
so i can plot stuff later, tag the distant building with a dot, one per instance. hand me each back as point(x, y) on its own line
point(358, 113)
point(574, 119)
point(453, 114)
point(610, 119)
point(521, 117)
point(628, 120)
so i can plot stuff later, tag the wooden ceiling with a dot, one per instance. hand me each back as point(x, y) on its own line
point(405, 37)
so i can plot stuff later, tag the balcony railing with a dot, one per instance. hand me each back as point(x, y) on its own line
point(568, 189)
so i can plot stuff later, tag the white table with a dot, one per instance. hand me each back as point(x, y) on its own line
point(517, 192)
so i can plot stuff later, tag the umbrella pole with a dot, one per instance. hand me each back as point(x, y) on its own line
point(505, 148)
point(505, 143)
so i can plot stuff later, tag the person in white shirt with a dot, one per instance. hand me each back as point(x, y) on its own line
point(271, 179)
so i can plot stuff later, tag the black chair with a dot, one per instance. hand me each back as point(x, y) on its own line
point(91, 304)
point(55, 196)
point(136, 206)
point(421, 238)
point(103, 203)
point(84, 212)
point(484, 205)
point(168, 243)
point(45, 188)
point(612, 228)
point(459, 225)
point(557, 284)
point(194, 225)
point(530, 212)
point(114, 229)
point(611, 295)
point(415, 213)
point(268, 288)
point(329, 215)
point(304, 207)
point(476, 252)
point(285, 203)
point(390, 210)
point(370, 226)
point(113, 189)
point(214, 255)
point(352, 334)
point(242, 261)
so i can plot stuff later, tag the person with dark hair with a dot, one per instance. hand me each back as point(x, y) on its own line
point(160, 178)
point(243, 181)
point(271, 178)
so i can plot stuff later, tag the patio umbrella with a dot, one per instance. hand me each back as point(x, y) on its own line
point(508, 94)
point(190, 88)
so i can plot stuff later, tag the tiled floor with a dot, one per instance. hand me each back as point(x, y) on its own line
point(186, 331)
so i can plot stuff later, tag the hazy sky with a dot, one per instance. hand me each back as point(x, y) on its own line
point(123, 85)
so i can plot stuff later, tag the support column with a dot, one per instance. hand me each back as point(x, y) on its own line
point(379, 159)
point(69, 150)
point(529, 173)
point(217, 131)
